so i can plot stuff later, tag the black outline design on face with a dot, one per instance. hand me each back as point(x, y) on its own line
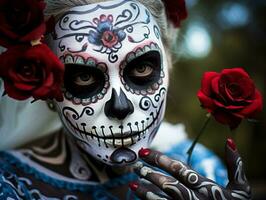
point(151, 89)
point(157, 32)
point(94, 31)
point(146, 102)
point(87, 110)
point(117, 140)
point(69, 59)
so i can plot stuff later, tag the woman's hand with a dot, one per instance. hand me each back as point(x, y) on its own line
point(185, 183)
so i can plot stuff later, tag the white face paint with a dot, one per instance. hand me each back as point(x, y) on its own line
point(116, 78)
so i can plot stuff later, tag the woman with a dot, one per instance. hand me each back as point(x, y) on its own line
point(116, 57)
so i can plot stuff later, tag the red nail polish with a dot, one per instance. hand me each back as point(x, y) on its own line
point(144, 152)
point(133, 186)
point(231, 144)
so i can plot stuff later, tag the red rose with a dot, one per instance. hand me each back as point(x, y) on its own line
point(31, 71)
point(230, 96)
point(176, 11)
point(21, 20)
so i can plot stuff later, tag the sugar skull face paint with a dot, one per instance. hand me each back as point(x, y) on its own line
point(116, 78)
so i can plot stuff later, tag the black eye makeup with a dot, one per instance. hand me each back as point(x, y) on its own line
point(143, 71)
point(83, 81)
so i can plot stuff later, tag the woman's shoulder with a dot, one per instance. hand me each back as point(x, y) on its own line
point(21, 121)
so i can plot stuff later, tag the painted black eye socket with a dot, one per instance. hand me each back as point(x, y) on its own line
point(83, 81)
point(143, 71)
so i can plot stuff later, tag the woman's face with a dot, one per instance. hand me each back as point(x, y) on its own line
point(116, 78)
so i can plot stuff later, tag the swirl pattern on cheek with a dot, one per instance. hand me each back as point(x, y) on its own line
point(146, 102)
point(75, 115)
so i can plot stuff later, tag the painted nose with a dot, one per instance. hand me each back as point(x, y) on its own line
point(118, 106)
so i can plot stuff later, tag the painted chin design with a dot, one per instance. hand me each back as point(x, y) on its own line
point(137, 131)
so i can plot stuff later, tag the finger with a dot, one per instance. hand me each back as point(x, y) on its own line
point(167, 184)
point(236, 174)
point(144, 193)
point(179, 170)
point(234, 164)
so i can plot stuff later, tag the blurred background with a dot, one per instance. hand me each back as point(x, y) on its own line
point(217, 35)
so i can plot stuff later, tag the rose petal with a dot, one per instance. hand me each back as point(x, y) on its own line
point(14, 92)
point(206, 82)
point(205, 101)
point(49, 80)
point(176, 11)
point(33, 25)
point(34, 34)
point(226, 118)
point(41, 91)
point(236, 87)
point(24, 87)
point(254, 108)
point(215, 85)
point(41, 86)
point(229, 108)
point(237, 70)
point(16, 77)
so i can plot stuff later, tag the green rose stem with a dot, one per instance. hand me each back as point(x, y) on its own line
point(191, 148)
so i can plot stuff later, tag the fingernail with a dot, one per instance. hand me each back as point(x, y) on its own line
point(231, 144)
point(144, 152)
point(133, 186)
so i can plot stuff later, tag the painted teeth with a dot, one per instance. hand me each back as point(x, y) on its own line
point(120, 142)
point(124, 141)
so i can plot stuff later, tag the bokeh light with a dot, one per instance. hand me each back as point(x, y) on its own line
point(197, 41)
point(233, 15)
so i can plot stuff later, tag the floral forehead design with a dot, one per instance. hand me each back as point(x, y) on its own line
point(77, 31)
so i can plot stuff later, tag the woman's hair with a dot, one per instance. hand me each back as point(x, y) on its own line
point(57, 7)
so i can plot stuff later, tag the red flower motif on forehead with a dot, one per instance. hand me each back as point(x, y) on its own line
point(176, 11)
point(106, 34)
